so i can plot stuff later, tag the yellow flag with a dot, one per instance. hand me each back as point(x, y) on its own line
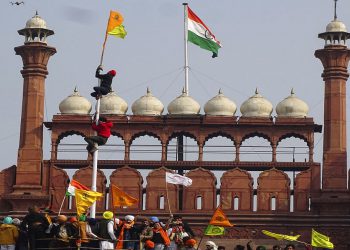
point(212, 230)
point(84, 199)
point(118, 31)
point(320, 240)
point(115, 19)
point(220, 219)
point(281, 236)
point(120, 198)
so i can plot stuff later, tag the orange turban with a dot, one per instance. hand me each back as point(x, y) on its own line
point(190, 242)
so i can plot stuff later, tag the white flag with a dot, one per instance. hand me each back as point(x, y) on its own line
point(177, 179)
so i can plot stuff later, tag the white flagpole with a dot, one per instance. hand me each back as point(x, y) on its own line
point(185, 40)
point(167, 195)
point(95, 158)
point(64, 198)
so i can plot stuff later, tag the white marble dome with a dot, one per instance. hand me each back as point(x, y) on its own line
point(36, 22)
point(147, 105)
point(75, 104)
point(113, 104)
point(336, 26)
point(292, 106)
point(220, 105)
point(184, 105)
point(256, 106)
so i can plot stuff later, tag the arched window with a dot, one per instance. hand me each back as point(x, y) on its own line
point(292, 149)
point(182, 148)
point(236, 203)
point(255, 148)
point(199, 202)
point(161, 202)
point(146, 148)
point(219, 149)
point(273, 203)
point(309, 207)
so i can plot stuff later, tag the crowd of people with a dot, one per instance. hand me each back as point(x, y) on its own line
point(38, 230)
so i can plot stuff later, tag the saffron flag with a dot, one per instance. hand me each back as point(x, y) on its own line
point(220, 219)
point(120, 198)
point(84, 199)
point(177, 179)
point(114, 26)
point(73, 185)
point(214, 230)
point(281, 236)
point(320, 240)
point(200, 34)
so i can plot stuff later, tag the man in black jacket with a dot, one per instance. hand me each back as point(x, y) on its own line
point(35, 224)
point(106, 82)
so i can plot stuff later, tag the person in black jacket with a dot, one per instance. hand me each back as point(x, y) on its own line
point(106, 82)
point(35, 224)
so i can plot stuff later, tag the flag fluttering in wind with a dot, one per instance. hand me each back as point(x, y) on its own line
point(320, 240)
point(212, 230)
point(177, 179)
point(115, 26)
point(73, 185)
point(281, 236)
point(120, 198)
point(199, 34)
point(84, 199)
point(219, 219)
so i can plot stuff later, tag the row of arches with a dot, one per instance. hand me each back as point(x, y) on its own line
point(218, 148)
point(236, 192)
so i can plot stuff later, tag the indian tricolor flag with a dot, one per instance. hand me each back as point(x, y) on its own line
point(75, 185)
point(199, 34)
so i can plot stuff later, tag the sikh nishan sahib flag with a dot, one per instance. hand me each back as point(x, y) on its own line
point(84, 199)
point(120, 198)
point(115, 26)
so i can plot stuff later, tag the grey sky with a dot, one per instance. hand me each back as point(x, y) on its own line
point(266, 44)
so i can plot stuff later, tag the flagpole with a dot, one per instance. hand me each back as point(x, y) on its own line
point(167, 196)
point(200, 241)
point(95, 155)
point(185, 43)
point(103, 48)
point(95, 159)
point(64, 198)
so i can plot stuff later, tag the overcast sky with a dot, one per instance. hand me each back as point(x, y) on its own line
point(267, 44)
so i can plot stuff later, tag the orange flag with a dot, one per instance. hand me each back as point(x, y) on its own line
point(115, 19)
point(220, 219)
point(120, 198)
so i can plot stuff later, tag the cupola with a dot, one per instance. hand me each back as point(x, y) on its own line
point(256, 106)
point(292, 107)
point(35, 30)
point(147, 105)
point(113, 104)
point(75, 104)
point(184, 105)
point(336, 32)
point(220, 105)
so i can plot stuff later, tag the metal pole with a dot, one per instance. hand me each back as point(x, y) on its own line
point(95, 158)
point(180, 157)
point(185, 41)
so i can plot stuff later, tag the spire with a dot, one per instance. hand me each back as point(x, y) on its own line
point(335, 9)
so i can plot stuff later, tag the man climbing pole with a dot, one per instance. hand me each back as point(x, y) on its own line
point(103, 129)
point(106, 82)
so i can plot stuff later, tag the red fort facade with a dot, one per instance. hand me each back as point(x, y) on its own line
point(319, 201)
